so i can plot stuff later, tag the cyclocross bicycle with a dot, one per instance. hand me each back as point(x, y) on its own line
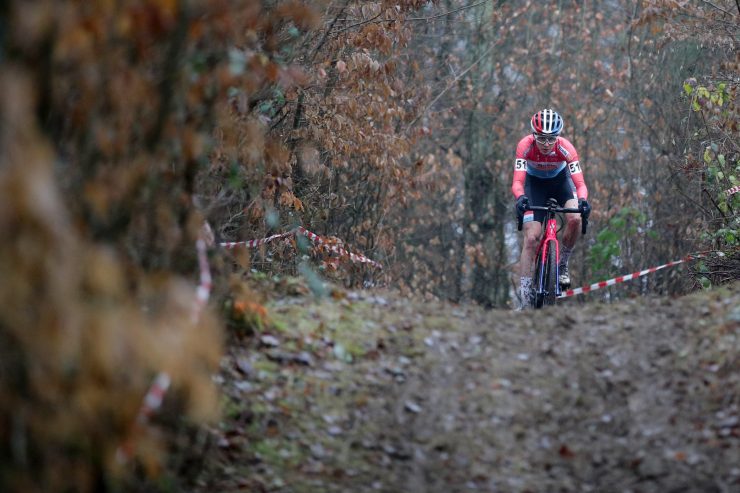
point(546, 287)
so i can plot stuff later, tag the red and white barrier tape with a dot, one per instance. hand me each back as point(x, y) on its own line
point(154, 397)
point(354, 257)
point(204, 288)
point(256, 243)
point(628, 277)
point(152, 401)
point(732, 190)
point(157, 390)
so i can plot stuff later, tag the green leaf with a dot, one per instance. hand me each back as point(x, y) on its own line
point(314, 281)
point(279, 95)
point(235, 178)
point(687, 88)
point(265, 106)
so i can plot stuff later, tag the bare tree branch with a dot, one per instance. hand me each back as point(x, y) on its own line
point(449, 85)
point(449, 12)
point(443, 14)
point(720, 8)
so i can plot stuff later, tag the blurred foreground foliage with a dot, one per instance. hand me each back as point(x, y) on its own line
point(107, 114)
point(82, 328)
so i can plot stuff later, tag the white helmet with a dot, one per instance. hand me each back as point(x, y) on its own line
point(547, 122)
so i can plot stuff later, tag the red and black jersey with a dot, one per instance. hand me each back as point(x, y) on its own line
point(530, 161)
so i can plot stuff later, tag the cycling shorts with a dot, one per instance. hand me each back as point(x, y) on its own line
point(539, 190)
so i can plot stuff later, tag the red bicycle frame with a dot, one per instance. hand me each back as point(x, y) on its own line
point(549, 240)
point(547, 262)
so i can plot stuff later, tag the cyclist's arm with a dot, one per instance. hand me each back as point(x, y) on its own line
point(520, 166)
point(520, 175)
point(574, 166)
point(578, 181)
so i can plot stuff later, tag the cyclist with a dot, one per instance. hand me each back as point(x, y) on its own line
point(546, 166)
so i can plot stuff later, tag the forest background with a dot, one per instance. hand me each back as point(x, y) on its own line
point(387, 128)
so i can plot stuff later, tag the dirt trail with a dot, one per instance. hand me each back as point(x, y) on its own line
point(375, 393)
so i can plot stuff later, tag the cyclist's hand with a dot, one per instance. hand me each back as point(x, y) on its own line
point(584, 207)
point(521, 205)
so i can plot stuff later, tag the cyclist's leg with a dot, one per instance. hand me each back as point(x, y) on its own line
point(536, 190)
point(567, 198)
point(572, 225)
point(532, 230)
point(566, 195)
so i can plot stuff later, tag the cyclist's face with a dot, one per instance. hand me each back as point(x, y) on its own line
point(545, 144)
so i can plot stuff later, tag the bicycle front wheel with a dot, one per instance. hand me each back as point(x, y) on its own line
point(545, 279)
point(551, 277)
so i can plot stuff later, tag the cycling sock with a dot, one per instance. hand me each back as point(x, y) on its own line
point(565, 254)
point(525, 286)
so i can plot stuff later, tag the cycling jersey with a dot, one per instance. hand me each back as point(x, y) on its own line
point(530, 161)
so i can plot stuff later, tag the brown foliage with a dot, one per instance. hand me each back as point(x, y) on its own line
point(77, 351)
point(107, 116)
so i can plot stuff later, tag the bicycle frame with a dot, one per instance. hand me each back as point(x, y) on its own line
point(547, 261)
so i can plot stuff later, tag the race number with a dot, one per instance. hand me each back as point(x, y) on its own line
point(575, 167)
point(521, 164)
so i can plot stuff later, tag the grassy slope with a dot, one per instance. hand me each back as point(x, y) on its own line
point(371, 392)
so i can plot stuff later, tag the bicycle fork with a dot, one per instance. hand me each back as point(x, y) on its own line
point(550, 240)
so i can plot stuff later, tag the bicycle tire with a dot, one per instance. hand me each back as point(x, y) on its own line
point(537, 297)
point(551, 277)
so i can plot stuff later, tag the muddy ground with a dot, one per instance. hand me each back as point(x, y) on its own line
point(370, 392)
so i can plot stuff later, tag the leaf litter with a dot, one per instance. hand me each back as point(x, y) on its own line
point(405, 396)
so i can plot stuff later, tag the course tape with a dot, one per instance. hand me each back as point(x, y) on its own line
point(154, 397)
point(732, 190)
point(157, 390)
point(206, 282)
point(152, 402)
point(354, 257)
point(256, 243)
point(629, 277)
